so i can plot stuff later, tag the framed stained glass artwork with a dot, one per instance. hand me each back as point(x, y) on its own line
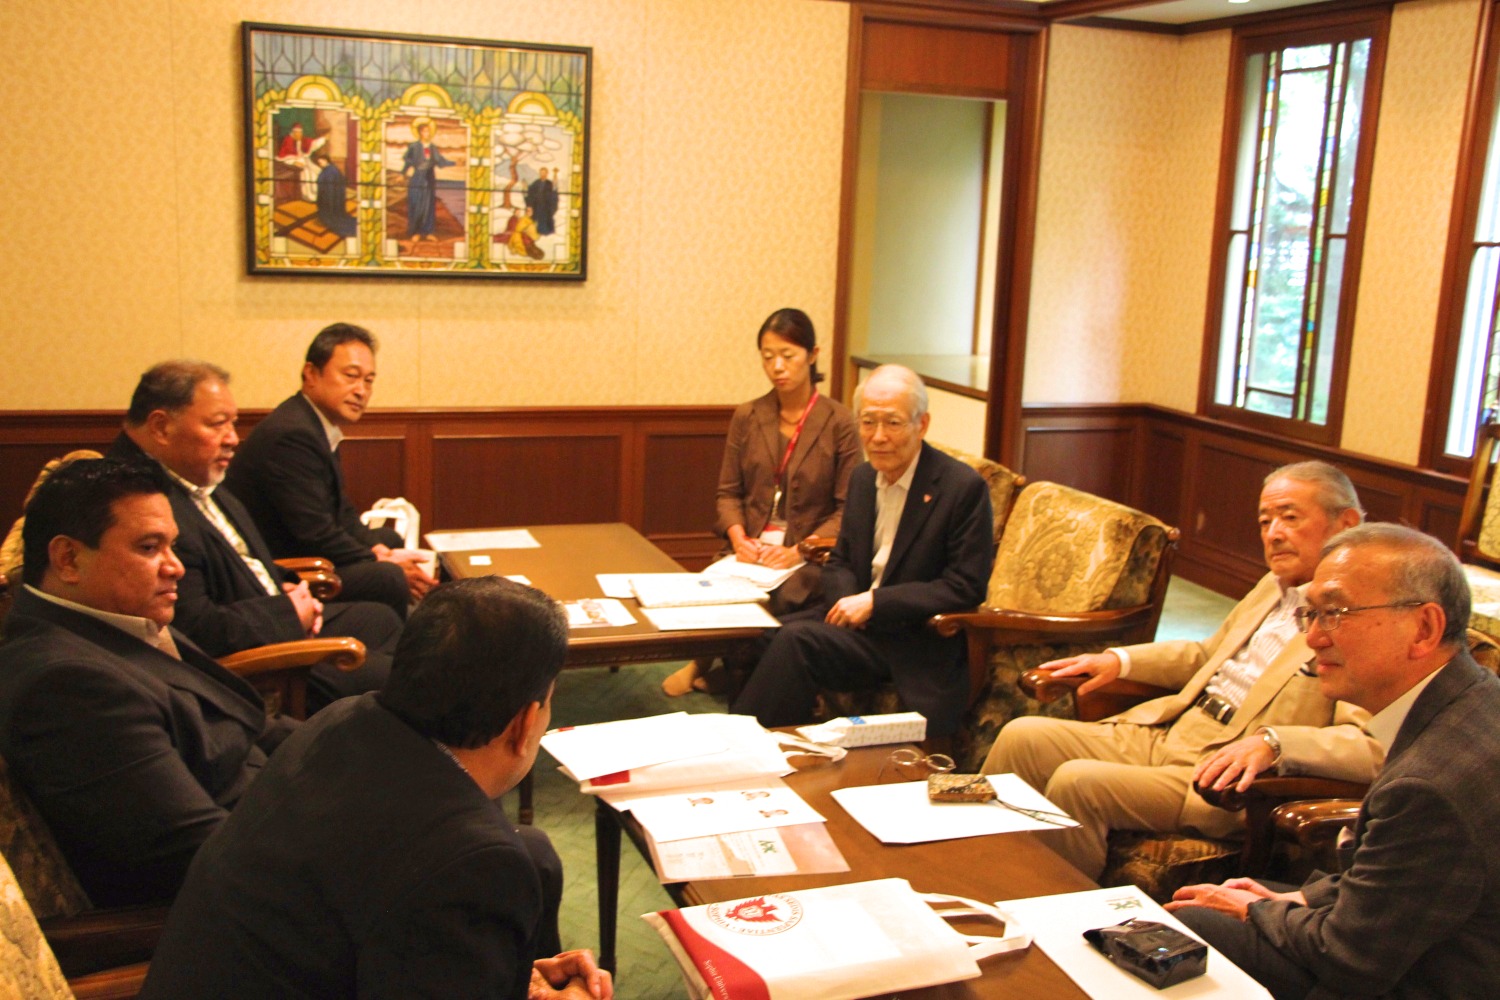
point(382, 155)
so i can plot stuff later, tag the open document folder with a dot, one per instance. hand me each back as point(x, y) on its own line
point(750, 753)
point(806, 849)
point(1057, 924)
point(900, 812)
point(608, 747)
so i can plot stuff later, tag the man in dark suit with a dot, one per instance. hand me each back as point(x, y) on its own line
point(289, 476)
point(917, 540)
point(370, 859)
point(232, 595)
point(132, 742)
point(1416, 911)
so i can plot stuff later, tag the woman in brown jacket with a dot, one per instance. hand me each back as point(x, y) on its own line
point(785, 471)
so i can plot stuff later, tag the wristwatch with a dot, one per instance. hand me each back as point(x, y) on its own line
point(1274, 742)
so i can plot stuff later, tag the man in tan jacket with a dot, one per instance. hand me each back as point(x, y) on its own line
point(1246, 702)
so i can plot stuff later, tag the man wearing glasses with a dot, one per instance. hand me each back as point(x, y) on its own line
point(1416, 910)
point(1247, 701)
point(917, 540)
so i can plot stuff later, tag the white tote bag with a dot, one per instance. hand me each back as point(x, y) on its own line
point(400, 515)
point(835, 943)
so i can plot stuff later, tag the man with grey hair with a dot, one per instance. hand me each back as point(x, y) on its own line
point(917, 540)
point(1245, 703)
point(232, 595)
point(1416, 910)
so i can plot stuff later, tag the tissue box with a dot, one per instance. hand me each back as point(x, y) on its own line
point(869, 730)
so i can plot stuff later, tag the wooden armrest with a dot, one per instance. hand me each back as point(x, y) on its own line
point(1316, 823)
point(1007, 627)
point(815, 549)
point(1039, 683)
point(102, 939)
point(342, 651)
point(1284, 788)
point(113, 984)
point(319, 574)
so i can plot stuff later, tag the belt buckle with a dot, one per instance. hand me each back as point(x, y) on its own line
point(1216, 708)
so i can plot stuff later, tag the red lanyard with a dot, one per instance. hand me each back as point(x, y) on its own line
point(790, 447)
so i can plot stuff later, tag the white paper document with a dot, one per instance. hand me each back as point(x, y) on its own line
point(468, 541)
point(763, 577)
point(686, 590)
point(615, 584)
point(711, 616)
point(750, 754)
point(1057, 924)
point(607, 747)
point(732, 855)
point(597, 612)
point(706, 812)
point(900, 812)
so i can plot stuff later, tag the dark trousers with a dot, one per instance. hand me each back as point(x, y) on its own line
point(1244, 945)
point(380, 582)
point(807, 655)
point(375, 625)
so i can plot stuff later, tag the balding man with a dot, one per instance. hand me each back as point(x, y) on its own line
point(1416, 911)
point(917, 540)
point(1245, 701)
point(232, 595)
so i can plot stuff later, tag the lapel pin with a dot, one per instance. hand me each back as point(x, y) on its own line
point(927, 498)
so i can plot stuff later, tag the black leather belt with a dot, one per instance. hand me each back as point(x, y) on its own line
point(1219, 709)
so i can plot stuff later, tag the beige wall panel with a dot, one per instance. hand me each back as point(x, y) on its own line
point(1104, 138)
point(89, 212)
point(739, 176)
point(714, 198)
point(1164, 319)
point(1411, 195)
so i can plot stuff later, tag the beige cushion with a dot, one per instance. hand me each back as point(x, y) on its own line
point(1065, 550)
point(27, 967)
point(1000, 480)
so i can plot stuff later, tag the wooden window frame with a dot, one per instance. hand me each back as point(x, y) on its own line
point(1372, 23)
point(1479, 121)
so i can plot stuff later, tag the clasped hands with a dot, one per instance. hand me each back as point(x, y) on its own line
point(1233, 897)
point(753, 550)
point(573, 974)
point(418, 580)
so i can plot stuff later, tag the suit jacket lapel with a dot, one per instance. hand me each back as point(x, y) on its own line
point(196, 672)
point(768, 421)
point(919, 503)
point(1278, 672)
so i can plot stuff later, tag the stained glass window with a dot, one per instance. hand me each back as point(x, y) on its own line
point(1285, 251)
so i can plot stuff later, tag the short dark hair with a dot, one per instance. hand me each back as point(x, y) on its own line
point(170, 386)
point(1336, 493)
point(1426, 570)
point(331, 336)
point(77, 500)
point(473, 655)
point(795, 326)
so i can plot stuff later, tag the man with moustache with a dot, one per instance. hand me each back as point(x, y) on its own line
point(1245, 703)
point(290, 478)
point(1416, 909)
point(232, 595)
point(133, 743)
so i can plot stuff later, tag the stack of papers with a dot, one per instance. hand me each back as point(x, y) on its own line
point(764, 577)
point(687, 590)
point(707, 791)
point(469, 541)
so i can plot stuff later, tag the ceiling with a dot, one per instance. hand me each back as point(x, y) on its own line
point(1171, 13)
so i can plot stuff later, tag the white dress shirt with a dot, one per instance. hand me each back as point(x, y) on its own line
point(890, 501)
point(143, 629)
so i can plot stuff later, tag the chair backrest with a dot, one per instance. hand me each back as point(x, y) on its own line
point(27, 966)
point(1479, 524)
point(12, 552)
point(37, 863)
point(1003, 483)
point(1065, 550)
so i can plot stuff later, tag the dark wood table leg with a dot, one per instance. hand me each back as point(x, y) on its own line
point(607, 859)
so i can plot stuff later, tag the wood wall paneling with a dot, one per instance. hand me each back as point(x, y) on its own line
point(935, 60)
point(655, 468)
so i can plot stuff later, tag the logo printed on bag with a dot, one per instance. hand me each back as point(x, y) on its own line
point(768, 914)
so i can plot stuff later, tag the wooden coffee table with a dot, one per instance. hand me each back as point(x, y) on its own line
point(1000, 867)
point(564, 567)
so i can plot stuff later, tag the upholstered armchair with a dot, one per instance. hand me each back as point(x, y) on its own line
point(1291, 822)
point(1074, 573)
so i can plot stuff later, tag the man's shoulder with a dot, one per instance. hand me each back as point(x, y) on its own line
point(42, 649)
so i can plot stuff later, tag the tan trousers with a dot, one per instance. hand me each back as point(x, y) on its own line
point(1108, 776)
